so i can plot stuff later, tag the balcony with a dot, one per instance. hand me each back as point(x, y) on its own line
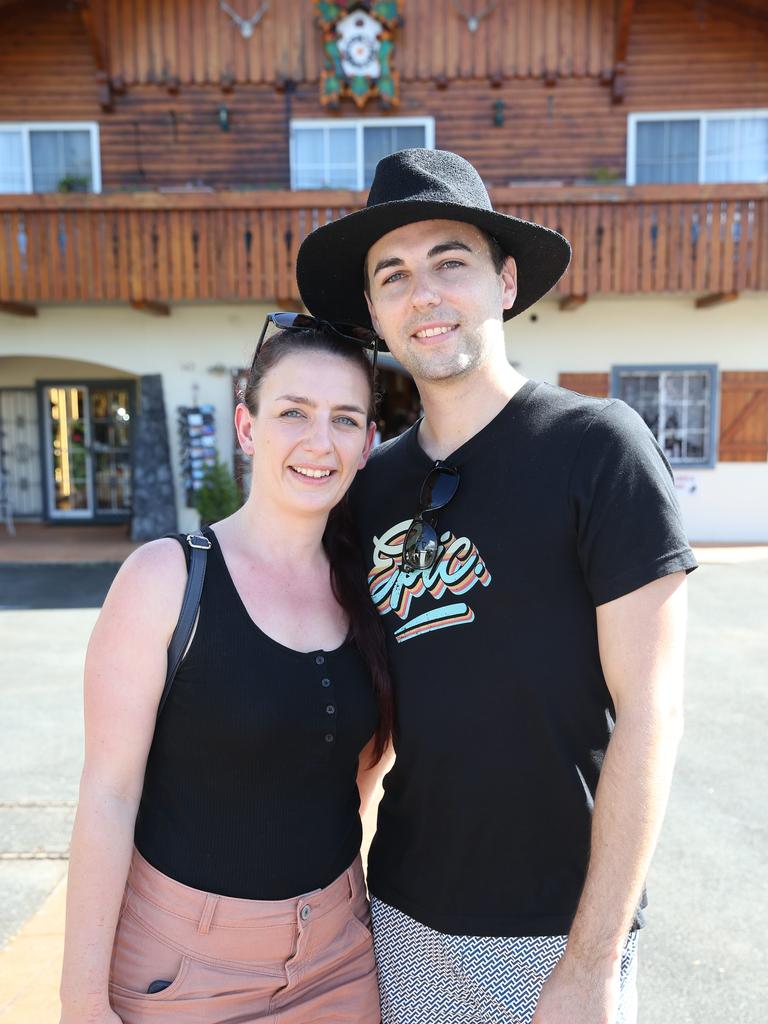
point(153, 249)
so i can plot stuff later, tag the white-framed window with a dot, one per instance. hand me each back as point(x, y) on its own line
point(49, 156)
point(679, 405)
point(697, 146)
point(343, 153)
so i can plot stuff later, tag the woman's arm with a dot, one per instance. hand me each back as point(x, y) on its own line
point(124, 676)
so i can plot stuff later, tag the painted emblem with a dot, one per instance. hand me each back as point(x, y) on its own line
point(358, 47)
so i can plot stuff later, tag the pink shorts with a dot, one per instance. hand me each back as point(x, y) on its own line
point(296, 961)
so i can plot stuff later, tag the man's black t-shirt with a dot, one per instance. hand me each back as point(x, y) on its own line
point(503, 715)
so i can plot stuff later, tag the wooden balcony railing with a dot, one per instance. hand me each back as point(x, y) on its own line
point(165, 248)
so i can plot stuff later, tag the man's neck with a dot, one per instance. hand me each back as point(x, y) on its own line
point(457, 409)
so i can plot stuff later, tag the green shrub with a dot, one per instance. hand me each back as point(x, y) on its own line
point(218, 496)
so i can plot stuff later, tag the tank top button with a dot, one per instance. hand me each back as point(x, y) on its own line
point(325, 682)
point(329, 737)
point(319, 660)
point(330, 709)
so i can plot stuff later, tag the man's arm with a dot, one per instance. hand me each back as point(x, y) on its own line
point(642, 648)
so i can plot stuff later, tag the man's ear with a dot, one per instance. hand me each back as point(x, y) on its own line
point(368, 444)
point(509, 282)
point(374, 319)
point(243, 427)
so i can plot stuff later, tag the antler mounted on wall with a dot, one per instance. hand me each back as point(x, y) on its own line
point(473, 20)
point(246, 25)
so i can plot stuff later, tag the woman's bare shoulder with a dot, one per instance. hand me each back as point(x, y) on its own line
point(150, 584)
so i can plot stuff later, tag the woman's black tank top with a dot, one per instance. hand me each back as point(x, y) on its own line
point(250, 786)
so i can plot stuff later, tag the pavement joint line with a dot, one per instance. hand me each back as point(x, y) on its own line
point(13, 804)
point(35, 855)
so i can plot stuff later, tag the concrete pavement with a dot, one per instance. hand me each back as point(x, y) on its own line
point(703, 956)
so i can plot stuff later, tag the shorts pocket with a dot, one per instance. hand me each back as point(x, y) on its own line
point(360, 916)
point(140, 957)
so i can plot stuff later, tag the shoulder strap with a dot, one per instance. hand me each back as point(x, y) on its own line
point(198, 552)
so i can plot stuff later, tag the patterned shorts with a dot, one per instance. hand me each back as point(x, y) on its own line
point(427, 977)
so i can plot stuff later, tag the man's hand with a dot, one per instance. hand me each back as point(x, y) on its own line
point(577, 994)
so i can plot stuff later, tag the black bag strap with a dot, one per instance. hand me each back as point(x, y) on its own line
point(198, 553)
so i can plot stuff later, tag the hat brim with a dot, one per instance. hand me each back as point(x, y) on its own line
point(329, 267)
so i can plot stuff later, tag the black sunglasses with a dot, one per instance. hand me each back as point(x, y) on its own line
point(421, 545)
point(362, 336)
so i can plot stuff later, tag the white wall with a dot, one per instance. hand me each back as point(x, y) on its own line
point(659, 329)
point(197, 342)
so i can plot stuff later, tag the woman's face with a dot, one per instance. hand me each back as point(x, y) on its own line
point(311, 433)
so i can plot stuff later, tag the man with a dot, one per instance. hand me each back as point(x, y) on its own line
point(526, 554)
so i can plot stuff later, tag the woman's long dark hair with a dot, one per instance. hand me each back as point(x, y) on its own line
point(340, 540)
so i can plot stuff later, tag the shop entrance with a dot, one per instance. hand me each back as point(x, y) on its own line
point(86, 433)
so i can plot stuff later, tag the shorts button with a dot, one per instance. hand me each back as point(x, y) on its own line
point(319, 660)
point(330, 709)
point(325, 682)
point(329, 737)
point(305, 912)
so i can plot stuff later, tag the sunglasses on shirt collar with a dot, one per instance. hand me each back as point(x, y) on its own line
point(362, 336)
point(421, 542)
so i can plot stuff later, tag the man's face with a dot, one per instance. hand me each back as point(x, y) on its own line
point(436, 298)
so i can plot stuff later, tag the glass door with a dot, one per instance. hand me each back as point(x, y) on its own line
point(110, 407)
point(67, 428)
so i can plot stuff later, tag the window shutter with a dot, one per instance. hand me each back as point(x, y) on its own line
point(597, 385)
point(743, 416)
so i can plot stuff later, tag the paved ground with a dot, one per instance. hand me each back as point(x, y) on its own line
point(704, 957)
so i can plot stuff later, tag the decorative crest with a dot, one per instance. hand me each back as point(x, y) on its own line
point(246, 25)
point(358, 46)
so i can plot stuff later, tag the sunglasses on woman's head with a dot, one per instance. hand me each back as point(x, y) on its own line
point(421, 543)
point(362, 336)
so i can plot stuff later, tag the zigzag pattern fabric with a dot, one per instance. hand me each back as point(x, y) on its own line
point(426, 977)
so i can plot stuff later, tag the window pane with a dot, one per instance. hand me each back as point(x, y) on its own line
point(308, 146)
point(324, 158)
point(667, 152)
point(695, 445)
point(382, 140)
point(641, 391)
point(61, 160)
point(409, 136)
point(342, 146)
point(305, 177)
point(736, 149)
point(11, 162)
point(675, 405)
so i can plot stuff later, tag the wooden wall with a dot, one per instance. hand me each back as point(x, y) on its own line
point(148, 40)
point(682, 54)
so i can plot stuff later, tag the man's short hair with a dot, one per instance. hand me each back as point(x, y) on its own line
point(497, 254)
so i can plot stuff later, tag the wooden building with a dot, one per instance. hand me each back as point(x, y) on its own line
point(161, 161)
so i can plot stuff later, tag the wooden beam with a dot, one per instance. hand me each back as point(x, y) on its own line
point(99, 59)
point(623, 24)
point(18, 308)
point(571, 302)
point(715, 299)
point(151, 307)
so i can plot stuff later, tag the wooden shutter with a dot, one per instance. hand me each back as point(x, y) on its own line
point(743, 416)
point(596, 384)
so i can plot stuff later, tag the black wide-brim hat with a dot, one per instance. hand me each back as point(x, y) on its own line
point(410, 186)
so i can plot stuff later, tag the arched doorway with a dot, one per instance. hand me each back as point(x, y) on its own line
point(66, 440)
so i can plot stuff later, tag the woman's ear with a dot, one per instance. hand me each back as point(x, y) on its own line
point(243, 428)
point(369, 437)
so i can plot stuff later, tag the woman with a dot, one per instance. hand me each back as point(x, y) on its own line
point(244, 898)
